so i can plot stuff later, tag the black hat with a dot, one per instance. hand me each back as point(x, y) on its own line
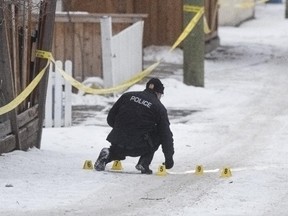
point(156, 85)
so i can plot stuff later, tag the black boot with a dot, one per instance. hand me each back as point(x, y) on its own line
point(102, 160)
point(143, 164)
point(143, 168)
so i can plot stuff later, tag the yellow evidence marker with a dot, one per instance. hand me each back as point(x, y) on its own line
point(226, 172)
point(88, 165)
point(162, 170)
point(199, 170)
point(117, 165)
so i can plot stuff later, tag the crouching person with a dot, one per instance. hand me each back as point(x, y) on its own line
point(140, 125)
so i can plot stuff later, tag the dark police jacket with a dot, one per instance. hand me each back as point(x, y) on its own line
point(138, 116)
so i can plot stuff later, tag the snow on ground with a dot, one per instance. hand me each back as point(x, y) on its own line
point(239, 120)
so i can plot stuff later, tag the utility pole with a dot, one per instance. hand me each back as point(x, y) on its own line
point(194, 47)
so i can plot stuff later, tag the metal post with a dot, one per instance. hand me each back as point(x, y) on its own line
point(194, 48)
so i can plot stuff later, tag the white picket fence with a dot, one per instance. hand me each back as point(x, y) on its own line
point(58, 109)
point(122, 54)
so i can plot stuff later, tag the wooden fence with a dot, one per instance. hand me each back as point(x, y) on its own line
point(21, 119)
point(165, 17)
point(77, 35)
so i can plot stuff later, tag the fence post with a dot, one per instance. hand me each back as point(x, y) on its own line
point(58, 108)
point(58, 97)
point(49, 98)
point(106, 38)
point(121, 53)
point(45, 39)
point(68, 97)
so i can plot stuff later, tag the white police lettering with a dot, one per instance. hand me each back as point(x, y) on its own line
point(141, 101)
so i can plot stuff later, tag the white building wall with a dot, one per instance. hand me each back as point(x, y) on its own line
point(234, 12)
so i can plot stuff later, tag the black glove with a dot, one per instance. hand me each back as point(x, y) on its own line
point(169, 163)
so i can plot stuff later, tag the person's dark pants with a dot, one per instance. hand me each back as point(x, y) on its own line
point(146, 154)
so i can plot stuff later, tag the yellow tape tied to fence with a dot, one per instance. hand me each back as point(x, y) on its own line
point(199, 13)
point(136, 78)
point(25, 93)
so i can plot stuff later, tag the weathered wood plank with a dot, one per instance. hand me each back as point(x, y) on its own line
point(96, 17)
point(7, 144)
point(87, 53)
point(27, 116)
point(5, 128)
point(68, 42)
point(111, 6)
point(28, 134)
point(78, 49)
point(23, 118)
point(97, 54)
point(59, 30)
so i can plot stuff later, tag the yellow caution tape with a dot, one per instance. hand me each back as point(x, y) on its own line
point(188, 28)
point(43, 54)
point(111, 90)
point(191, 8)
point(24, 94)
point(136, 78)
point(196, 9)
point(125, 85)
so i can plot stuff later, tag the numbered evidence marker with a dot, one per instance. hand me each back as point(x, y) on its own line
point(88, 165)
point(162, 170)
point(117, 165)
point(199, 170)
point(226, 172)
